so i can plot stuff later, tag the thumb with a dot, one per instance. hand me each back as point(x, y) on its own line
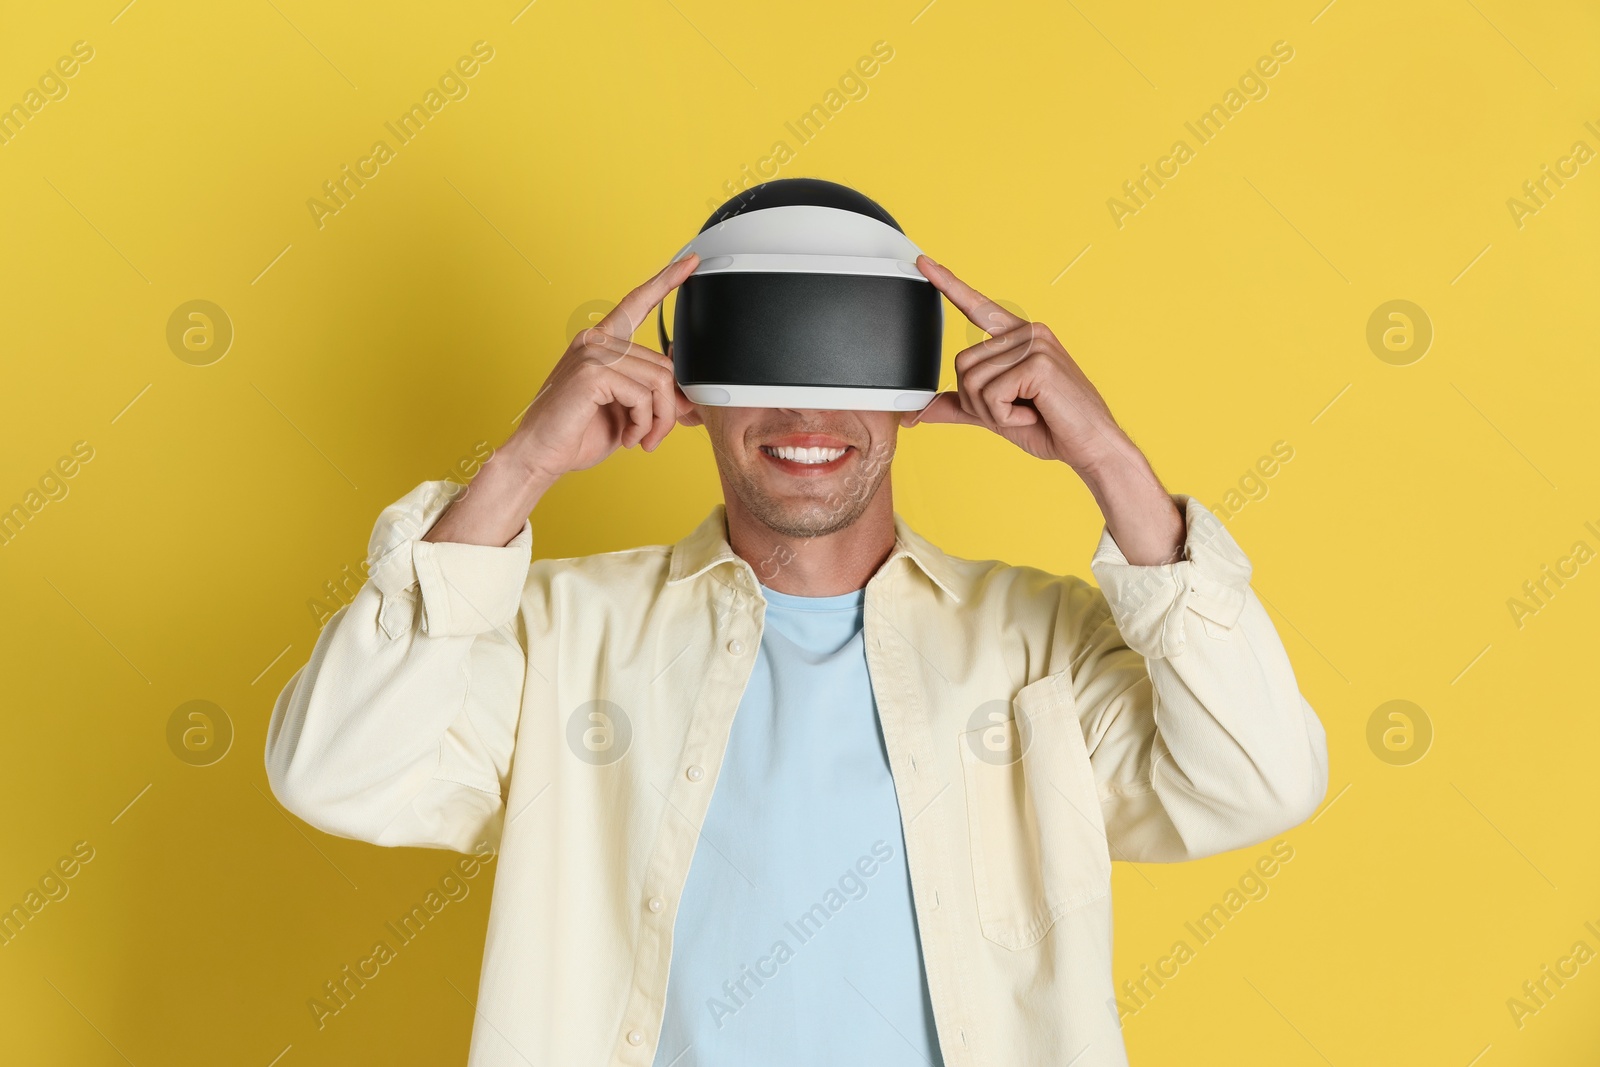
point(944, 407)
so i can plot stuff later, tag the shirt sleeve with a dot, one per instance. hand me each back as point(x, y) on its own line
point(1199, 737)
point(400, 728)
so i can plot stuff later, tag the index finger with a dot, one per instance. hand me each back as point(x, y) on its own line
point(979, 309)
point(634, 309)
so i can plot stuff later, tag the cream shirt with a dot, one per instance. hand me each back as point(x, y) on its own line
point(573, 713)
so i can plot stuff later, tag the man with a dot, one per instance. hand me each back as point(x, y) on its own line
point(800, 788)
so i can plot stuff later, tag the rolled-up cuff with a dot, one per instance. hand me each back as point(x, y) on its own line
point(463, 589)
point(1149, 603)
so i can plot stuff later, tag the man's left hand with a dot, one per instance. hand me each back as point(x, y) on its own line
point(1021, 383)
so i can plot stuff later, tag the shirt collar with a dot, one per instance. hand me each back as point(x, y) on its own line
point(707, 547)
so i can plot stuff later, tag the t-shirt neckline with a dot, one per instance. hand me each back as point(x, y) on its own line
point(841, 602)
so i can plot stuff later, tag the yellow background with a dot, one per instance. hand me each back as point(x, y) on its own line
point(378, 350)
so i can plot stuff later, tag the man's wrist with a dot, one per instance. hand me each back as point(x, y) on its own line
point(1118, 471)
point(492, 509)
point(522, 461)
point(1141, 516)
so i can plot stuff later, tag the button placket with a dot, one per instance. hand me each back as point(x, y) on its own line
point(926, 857)
point(671, 855)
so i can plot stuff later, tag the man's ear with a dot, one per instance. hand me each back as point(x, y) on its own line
point(688, 411)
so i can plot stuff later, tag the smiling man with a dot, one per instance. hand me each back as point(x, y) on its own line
point(800, 788)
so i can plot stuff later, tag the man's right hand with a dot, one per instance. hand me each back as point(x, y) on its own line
point(605, 392)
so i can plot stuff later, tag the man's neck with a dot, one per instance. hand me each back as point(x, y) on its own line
point(829, 565)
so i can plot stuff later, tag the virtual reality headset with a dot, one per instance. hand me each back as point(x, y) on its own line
point(807, 295)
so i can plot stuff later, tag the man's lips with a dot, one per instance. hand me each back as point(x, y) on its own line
point(807, 440)
point(808, 469)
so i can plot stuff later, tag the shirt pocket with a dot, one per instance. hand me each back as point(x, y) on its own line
point(1038, 840)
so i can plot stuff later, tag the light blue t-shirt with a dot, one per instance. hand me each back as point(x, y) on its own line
point(795, 943)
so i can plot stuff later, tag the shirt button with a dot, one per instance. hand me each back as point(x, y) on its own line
point(635, 1037)
point(656, 903)
point(695, 772)
point(736, 646)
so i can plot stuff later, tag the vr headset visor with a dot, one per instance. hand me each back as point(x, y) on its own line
point(807, 295)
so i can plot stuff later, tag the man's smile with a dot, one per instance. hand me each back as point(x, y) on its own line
point(807, 454)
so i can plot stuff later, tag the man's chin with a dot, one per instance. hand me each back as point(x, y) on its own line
point(815, 514)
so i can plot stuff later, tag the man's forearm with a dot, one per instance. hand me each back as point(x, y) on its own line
point(495, 505)
point(1143, 520)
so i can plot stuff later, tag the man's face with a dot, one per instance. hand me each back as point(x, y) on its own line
point(802, 473)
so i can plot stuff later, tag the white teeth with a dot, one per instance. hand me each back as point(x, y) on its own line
point(805, 455)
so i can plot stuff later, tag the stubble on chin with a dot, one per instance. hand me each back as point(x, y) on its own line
point(799, 520)
point(825, 513)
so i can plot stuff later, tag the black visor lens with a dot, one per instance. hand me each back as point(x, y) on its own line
point(800, 329)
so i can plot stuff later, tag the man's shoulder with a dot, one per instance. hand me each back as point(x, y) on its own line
point(623, 565)
point(1021, 580)
point(1038, 613)
point(979, 580)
